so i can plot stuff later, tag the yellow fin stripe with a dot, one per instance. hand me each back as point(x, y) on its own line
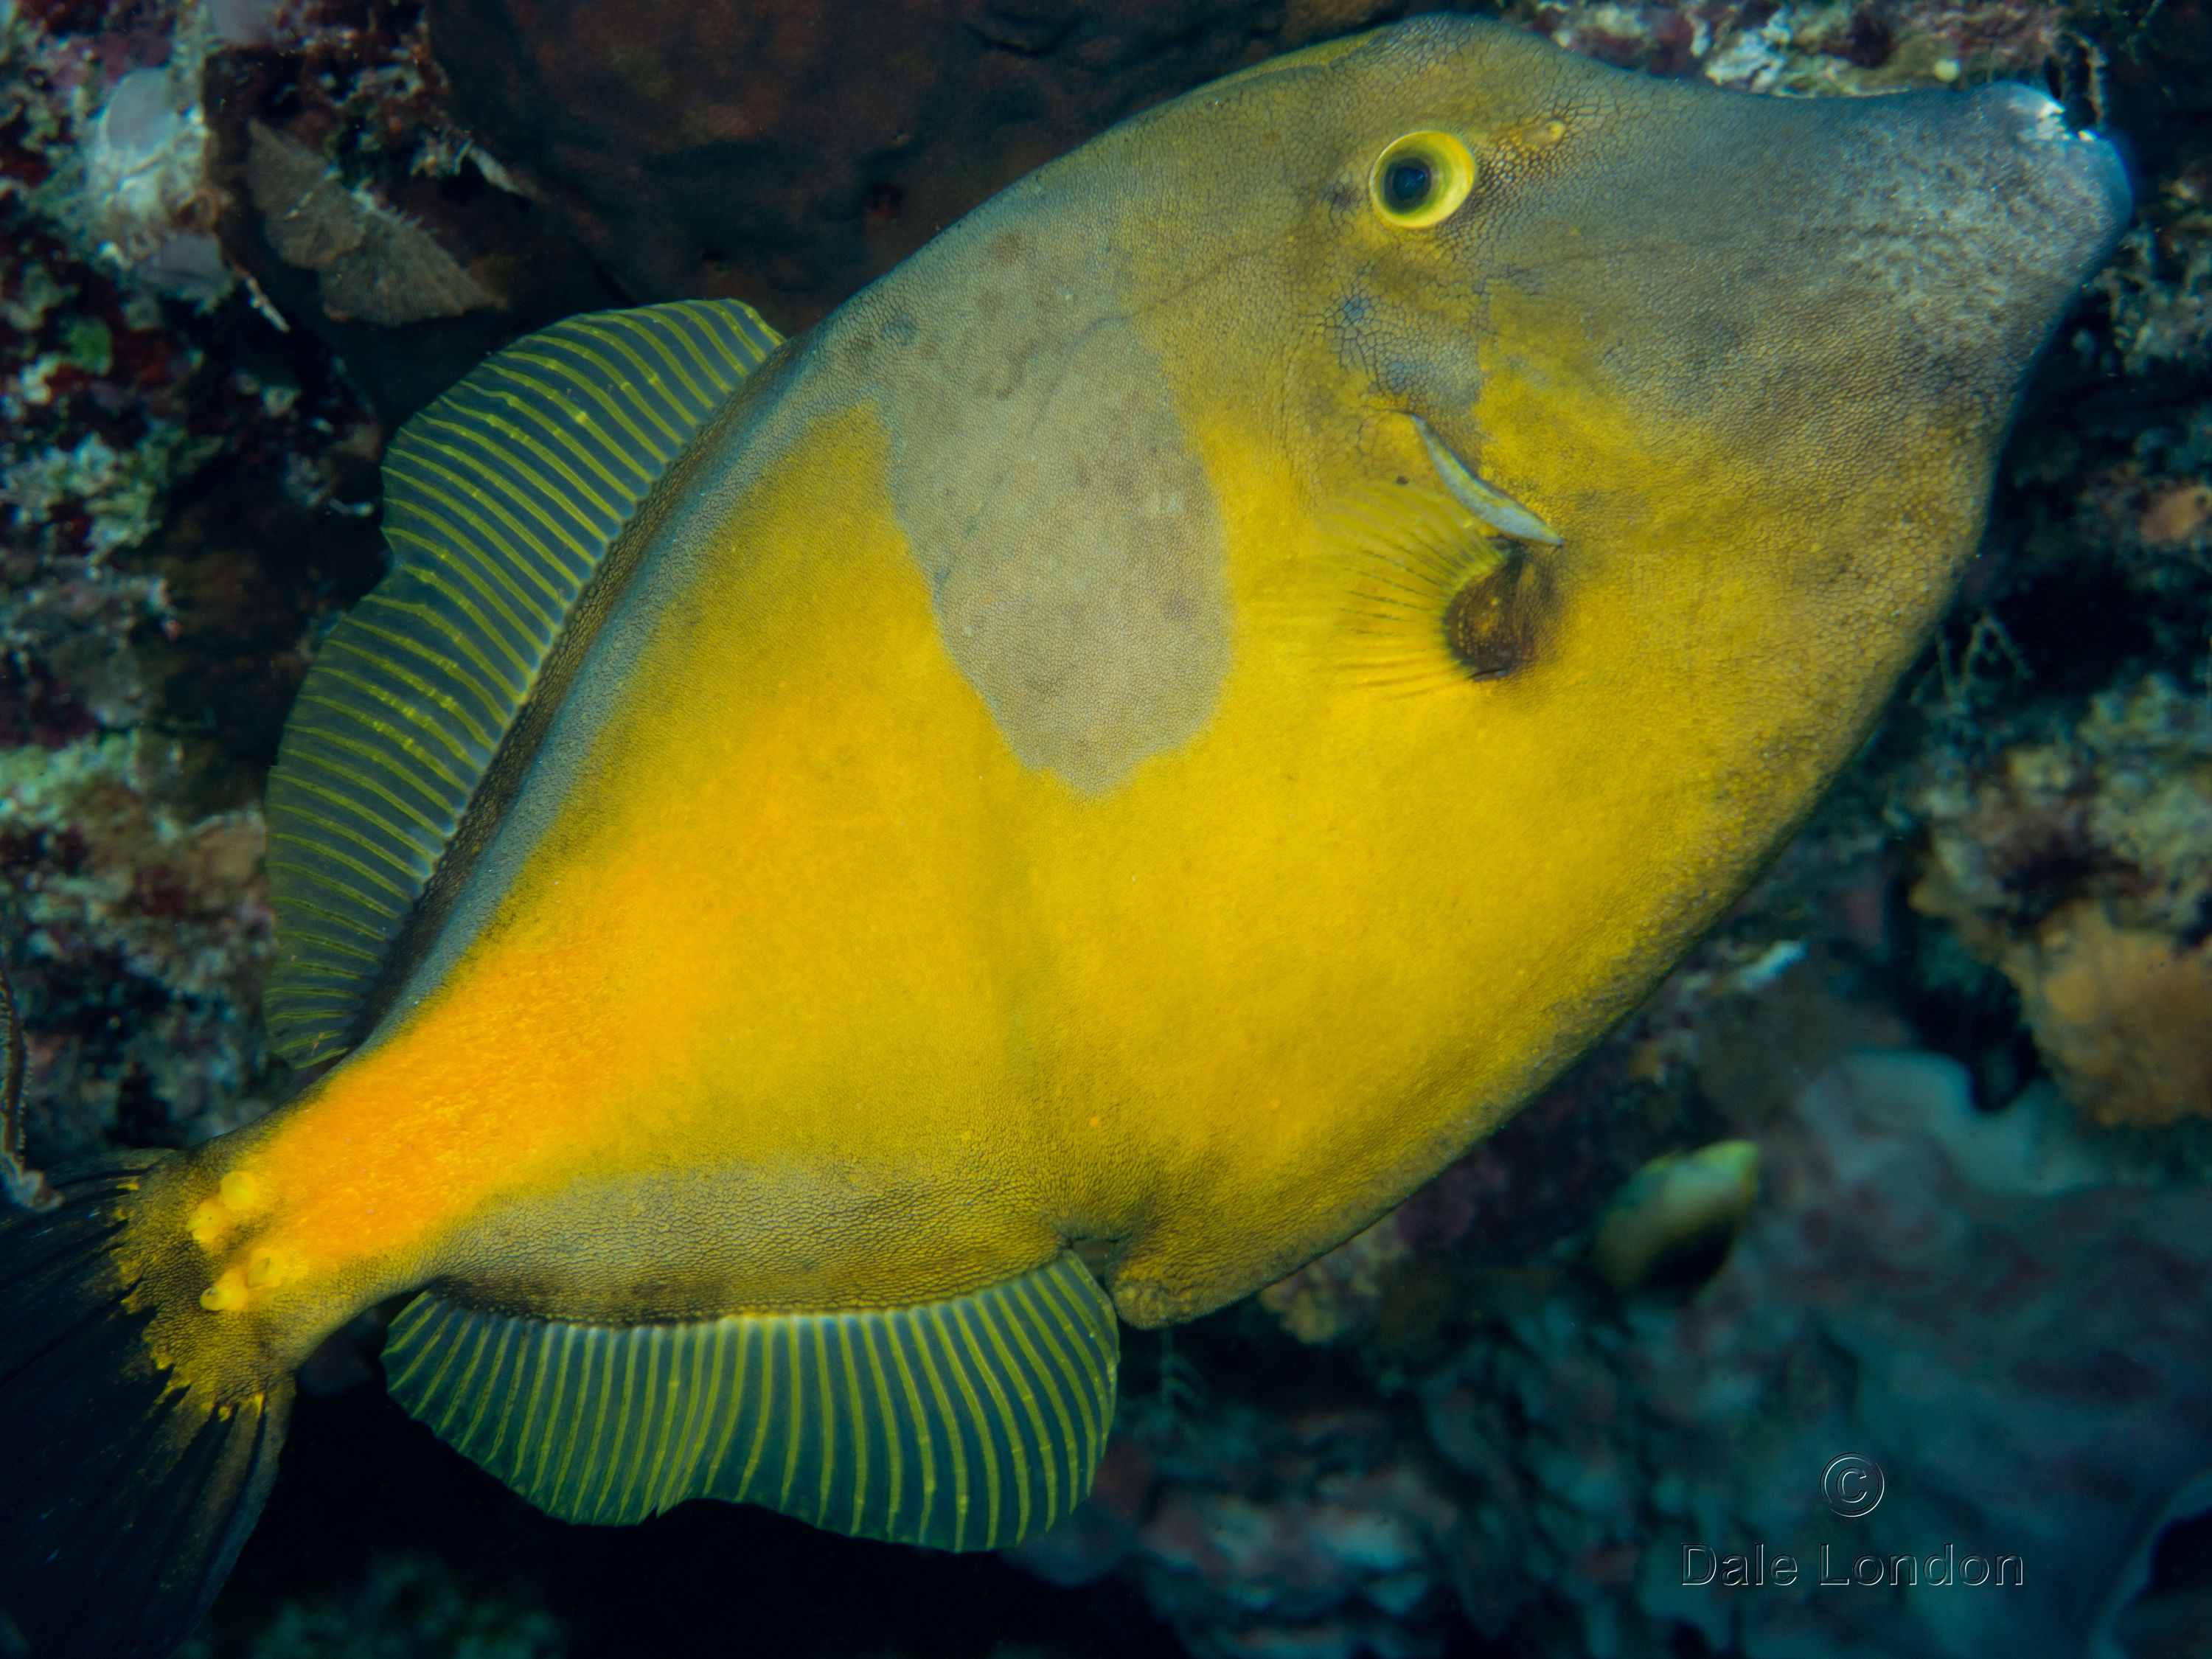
point(1062, 1440)
point(380, 742)
point(354, 822)
point(953, 1497)
point(305, 762)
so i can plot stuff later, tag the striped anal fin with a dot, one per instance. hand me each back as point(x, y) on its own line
point(964, 1424)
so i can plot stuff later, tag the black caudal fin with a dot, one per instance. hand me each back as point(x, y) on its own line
point(126, 1487)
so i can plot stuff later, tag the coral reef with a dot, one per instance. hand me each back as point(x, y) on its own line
point(786, 153)
point(2082, 868)
point(2059, 806)
point(1871, 47)
point(104, 116)
point(164, 460)
point(1984, 1392)
point(1320, 1532)
point(368, 262)
point(144, 936)
point(366, 213)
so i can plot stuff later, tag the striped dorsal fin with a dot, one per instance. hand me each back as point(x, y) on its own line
point(964, 1425)
point(499, 500)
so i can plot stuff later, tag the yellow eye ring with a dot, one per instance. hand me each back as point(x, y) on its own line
point(1420, 179)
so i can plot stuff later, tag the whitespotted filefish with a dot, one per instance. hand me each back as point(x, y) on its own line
point(832, 869)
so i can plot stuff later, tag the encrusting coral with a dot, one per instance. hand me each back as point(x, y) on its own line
point(368, 262)
point(2082, 868)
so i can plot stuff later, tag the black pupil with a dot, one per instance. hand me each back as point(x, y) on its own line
point(1407, 182)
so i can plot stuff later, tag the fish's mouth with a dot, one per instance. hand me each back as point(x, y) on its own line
point(2045, 117)
point(2041, 123)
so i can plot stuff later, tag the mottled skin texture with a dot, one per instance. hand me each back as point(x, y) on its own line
point(1004, 811)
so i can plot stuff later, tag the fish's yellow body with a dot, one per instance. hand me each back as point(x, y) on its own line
point(1145, 736)
point(938, 983)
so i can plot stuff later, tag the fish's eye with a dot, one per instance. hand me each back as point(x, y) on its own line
point(1421, 178)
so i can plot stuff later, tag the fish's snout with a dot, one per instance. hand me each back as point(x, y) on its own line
point(1969, 221)
point(2048, 199)
point(2085, 183)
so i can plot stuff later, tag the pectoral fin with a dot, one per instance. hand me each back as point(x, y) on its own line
point(964, 1425)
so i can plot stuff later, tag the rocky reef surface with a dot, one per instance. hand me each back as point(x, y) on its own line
point(1962, 1031)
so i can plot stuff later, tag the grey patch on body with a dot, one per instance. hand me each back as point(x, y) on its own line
point(1040, 473)
point(1042, 477)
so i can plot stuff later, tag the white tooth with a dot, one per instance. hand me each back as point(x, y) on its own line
point(1482, 498)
